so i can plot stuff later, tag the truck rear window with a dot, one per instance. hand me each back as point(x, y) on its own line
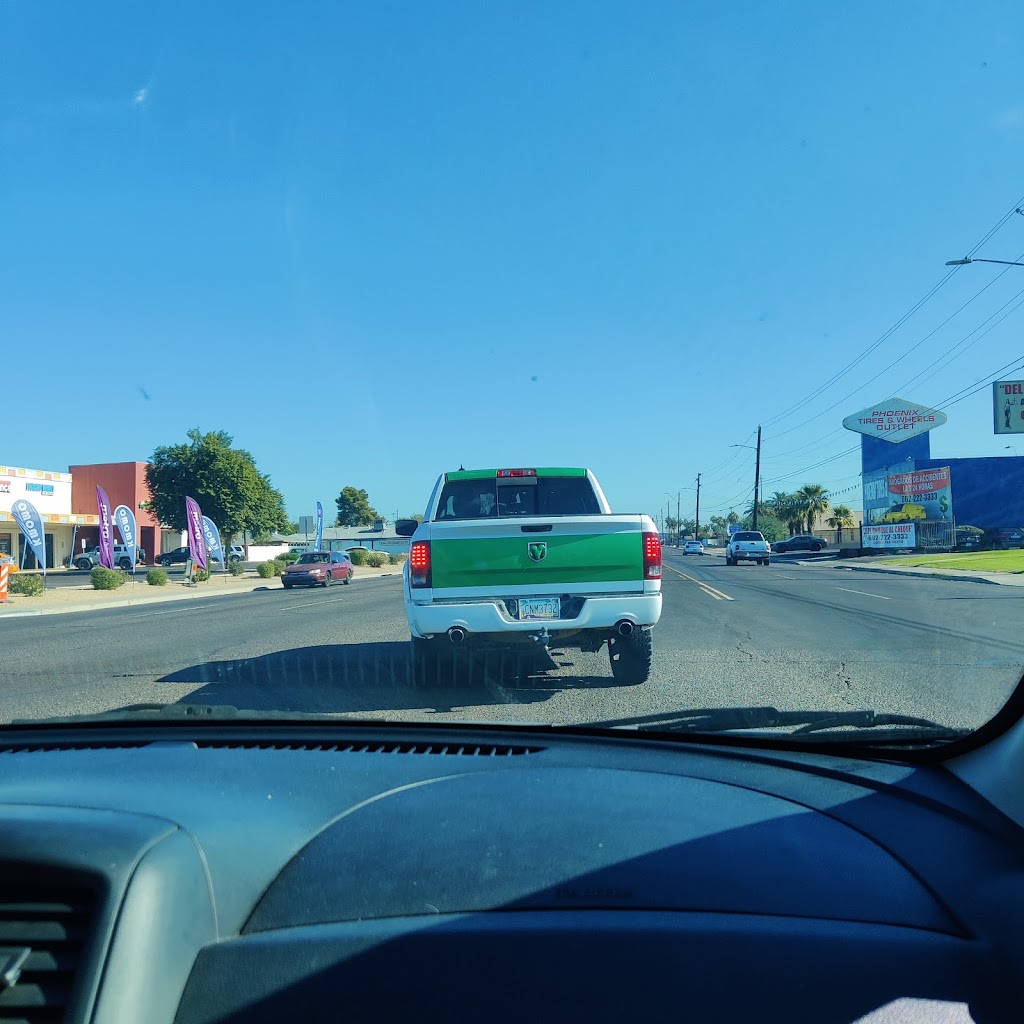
point(747, 536)
point(489, 499)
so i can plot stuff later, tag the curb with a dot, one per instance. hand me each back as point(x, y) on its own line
point(161, 600)
point(924, 575)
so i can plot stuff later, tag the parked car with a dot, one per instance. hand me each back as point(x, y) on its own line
point(801, 542)
point(968, 540)
point(1004, 537)
point(693, 547)
point(90, 557)
point(178, 555)
point(318, 569)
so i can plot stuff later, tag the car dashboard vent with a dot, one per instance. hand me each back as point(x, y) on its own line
point(39, 748)
point(43, 934)
point(376, 747)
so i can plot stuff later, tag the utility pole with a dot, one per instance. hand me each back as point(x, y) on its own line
point(757, 476)
point(679, 524)
point(696, 518)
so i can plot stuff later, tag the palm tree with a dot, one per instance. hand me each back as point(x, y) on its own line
point(718, 526)
point(841, 519)
point(813, 502)
point(787, 509)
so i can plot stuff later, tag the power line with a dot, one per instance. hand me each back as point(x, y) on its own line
point(836, 377)
point(881, 373)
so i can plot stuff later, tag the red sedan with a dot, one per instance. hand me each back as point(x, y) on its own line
point(318, 569)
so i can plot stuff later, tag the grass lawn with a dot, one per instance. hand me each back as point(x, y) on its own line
point(987, 561)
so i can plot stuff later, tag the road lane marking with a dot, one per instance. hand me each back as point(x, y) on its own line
point(864, 593)
point(706, 587)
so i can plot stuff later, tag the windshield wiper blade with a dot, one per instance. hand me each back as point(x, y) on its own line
point(797, 723)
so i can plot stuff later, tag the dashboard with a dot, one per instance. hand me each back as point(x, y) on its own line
point(229, 873)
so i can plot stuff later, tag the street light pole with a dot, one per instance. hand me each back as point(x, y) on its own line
point(975, 259)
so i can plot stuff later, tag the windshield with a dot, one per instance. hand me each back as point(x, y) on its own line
point(680, 348)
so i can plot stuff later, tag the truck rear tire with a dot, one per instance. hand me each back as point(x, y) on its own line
point(630, 657)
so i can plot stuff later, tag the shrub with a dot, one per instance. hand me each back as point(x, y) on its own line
point(396, 559)
point(265, 570)
point(236, 568)
point(376, 559)
point(358, 557)
point(25, 584)
point(200, 575)
point(157, 577)
point(287, 557)
point(107, 579)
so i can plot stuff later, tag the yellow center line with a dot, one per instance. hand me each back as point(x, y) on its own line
point(706, 587)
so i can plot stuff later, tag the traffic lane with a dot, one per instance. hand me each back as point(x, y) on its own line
point(940, 649)
point(336, 650)
point(345, 651)
point(80, 577)
point(960, 609)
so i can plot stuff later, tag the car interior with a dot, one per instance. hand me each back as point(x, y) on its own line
point(185, 865)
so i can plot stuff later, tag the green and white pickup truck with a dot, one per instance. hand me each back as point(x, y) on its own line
point(508, 557)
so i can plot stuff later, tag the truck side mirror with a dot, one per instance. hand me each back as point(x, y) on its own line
point(406, 527)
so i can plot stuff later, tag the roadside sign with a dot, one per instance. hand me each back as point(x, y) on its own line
point(895, 420)
point(1008, 406)
point(891, 535)
point(734, 528)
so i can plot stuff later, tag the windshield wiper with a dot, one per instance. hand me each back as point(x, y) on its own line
point(796, 723)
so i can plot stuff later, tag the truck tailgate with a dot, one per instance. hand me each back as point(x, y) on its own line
point(537, 555)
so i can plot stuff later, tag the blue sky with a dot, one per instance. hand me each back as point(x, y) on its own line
point(411, 236)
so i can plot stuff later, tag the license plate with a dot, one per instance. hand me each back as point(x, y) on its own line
point(540, 607)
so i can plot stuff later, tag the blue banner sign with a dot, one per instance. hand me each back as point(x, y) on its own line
point(124, 517)
point(212, 537)
point(31, 524)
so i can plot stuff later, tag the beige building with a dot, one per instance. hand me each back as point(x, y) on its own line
point(50, 494)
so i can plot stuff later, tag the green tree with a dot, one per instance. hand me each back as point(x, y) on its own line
point(768, 525)
point(223, 479)
point(417, 517)
point(813, 501)
point(354, 508)
point(841, 519)
point(787, 509)
point(717, 526)
point(732, 518)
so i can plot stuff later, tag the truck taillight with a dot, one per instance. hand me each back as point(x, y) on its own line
point(419, 564)
point(652, 556)
point(504, 474)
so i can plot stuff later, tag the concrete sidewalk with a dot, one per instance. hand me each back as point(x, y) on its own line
point(62, 600)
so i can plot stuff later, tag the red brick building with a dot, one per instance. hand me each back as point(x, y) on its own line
point(125, 484)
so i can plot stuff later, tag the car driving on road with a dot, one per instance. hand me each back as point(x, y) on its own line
point(693, 547)
point(318, 569)
point(530, 557)
point(747, 546)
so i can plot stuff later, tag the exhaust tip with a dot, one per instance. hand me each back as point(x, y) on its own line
point(456, 634)
point(624, 627)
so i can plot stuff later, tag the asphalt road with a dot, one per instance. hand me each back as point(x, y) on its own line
point(796, 634)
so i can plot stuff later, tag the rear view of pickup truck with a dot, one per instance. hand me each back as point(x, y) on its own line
point(512, 557)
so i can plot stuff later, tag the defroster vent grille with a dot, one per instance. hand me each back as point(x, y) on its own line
point(376, 747)
point(53, 925)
